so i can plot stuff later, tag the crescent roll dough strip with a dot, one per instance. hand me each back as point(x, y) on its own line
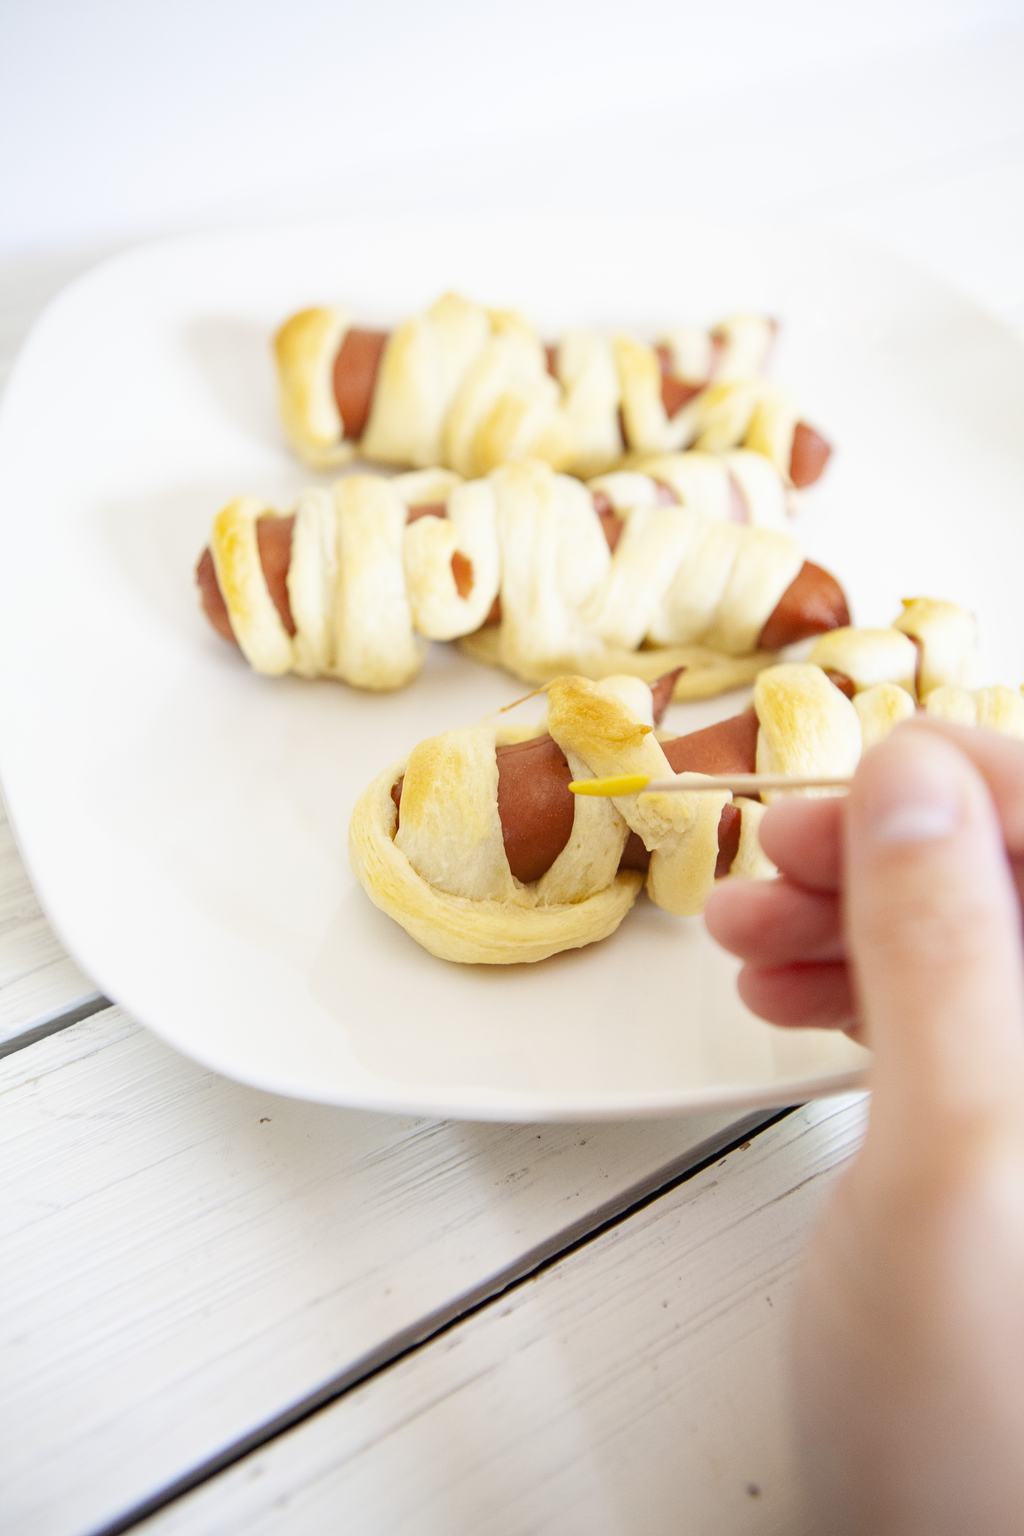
point(698, 589)
point(501, 405)
point(261, 636)
point(946, 638)
point(997, 709)
point(471, 388)
point(807, 725)
point(312, 577)
point(738, 348)
point(731, 413)
point(719, 485)
point(445, 876)
point(423, 366)
point(880, 709)
point(605, 726)
point(374, 645)
point(751, 861)
point(733, 486)
point(703, 673)
point(363, 582)
point(456, 928)
point(308, 406)
point(680, 589)
point(931, 644)
point(582, 430)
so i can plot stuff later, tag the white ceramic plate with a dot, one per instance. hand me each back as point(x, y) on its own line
point(185, 821)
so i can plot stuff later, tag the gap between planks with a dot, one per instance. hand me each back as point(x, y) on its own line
point(42, 990)
point(54, 1023)
point(409, 1342)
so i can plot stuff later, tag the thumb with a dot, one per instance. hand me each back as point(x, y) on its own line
point(933, 931)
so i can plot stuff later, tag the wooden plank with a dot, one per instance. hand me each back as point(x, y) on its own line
point(636, 1385)
point(184, 1259)
point(39, 983)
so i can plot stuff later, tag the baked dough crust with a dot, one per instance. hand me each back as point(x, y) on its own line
point(930, 645)
point(304, 349)
point(444, 877)
point(484, 931)
point(469, 387)
point(682, 589)
point(703, 674)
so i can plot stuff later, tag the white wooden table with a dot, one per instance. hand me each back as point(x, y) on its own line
point(224, 1311)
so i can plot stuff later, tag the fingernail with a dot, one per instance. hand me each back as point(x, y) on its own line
point(917, 799)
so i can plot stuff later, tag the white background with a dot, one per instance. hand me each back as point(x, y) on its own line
point(120, 119)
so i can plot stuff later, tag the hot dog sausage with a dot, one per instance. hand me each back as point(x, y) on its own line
point(813, 602)
point(274, 540)
point(728, 746)
point(808, 455)
point(355, 378)
point(536, 806)
point(358, 361)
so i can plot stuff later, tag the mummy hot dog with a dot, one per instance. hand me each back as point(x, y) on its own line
point(477, 848)
point(553, 573)
point(473, 388)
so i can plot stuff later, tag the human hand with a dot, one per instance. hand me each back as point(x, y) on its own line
point(897, 916)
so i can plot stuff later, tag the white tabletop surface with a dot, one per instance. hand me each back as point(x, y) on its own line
point(225, 1311)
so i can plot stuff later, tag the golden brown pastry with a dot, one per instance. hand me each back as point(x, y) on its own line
point(475, 845)
point(473, 388)
point(537, 572)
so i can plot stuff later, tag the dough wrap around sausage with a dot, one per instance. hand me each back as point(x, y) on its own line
point(473, 388)
point(440, 869)
point(366, 586)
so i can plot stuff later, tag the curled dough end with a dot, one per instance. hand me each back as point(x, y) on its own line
point(705, 673)
point(455, 928)
point(305, 348)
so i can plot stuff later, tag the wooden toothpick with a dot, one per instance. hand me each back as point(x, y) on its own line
point(701, 783)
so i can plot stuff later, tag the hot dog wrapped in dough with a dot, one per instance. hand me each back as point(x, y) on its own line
point(534, 571)
point(476, 846)
point(472, 388)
